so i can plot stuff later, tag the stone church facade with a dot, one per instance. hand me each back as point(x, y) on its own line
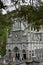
point(21, 43)
point(17, 42)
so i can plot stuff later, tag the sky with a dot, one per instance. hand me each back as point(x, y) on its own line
point(10, 8)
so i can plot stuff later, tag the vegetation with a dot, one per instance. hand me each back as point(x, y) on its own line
point(9, 63)
point(5, 23)
point(34, 16)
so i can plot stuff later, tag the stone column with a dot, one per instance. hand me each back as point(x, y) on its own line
point(21, 55)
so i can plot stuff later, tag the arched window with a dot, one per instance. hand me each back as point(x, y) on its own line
point(9, 51)
point(16, 49)
point(24, 51)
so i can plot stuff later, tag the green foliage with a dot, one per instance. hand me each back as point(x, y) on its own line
point(32, 14)
point(5, 20)
point(3, 51)
point(5, 23)
point(2, 41)
point(9, 63)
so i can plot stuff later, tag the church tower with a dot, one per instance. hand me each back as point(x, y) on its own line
point(17, 42)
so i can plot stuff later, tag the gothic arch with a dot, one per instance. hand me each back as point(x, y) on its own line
point(16, 53)
point(16, 49)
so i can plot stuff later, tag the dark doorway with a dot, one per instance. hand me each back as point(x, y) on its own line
point(24, 54)
point(17, 54)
